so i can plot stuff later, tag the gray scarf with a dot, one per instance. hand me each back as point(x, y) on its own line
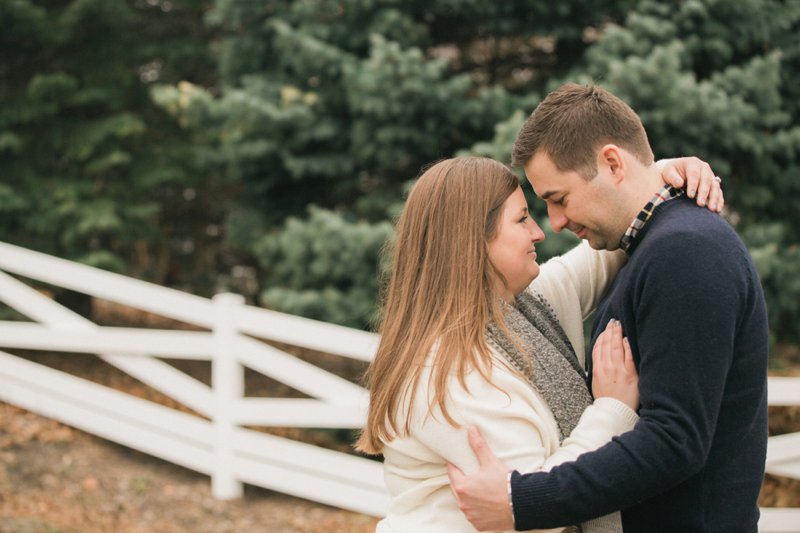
point(550, 364)
point(549, 361)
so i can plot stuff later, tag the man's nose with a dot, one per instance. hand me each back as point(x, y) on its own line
point(557, 219)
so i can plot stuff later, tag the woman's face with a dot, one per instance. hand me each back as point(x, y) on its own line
point(512, 249)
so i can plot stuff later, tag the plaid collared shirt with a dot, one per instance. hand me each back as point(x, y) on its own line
point(667, 193)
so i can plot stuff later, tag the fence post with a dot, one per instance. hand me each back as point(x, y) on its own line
point(227, 382)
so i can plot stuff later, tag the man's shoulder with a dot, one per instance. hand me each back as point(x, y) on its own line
point(693, 247)
point(683, 214)
point(691, 229)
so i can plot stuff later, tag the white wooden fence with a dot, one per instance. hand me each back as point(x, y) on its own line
point(220, 448)
point(215, 443)
point(783, 458)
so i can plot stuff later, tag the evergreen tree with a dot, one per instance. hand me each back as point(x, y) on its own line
point(183, 141)
point(340, 103)
point(90, 169)
point(324, 267)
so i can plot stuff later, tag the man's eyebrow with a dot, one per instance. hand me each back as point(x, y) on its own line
point(547, 194)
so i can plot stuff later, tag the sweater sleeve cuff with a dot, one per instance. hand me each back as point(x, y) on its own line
point(513, 476)
point(530, 494)
point(510, 500)
point(627, 416)
point(527, 494)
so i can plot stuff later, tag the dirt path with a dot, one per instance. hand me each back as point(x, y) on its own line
point(55, 479)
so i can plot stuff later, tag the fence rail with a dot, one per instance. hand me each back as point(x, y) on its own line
point(213, 441)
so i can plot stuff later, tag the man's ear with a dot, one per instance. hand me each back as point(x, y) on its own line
point(611, 162)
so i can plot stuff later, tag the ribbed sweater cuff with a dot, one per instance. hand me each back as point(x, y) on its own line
point(628, 416)
point(531, 495)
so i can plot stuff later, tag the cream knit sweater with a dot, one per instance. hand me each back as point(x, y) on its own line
point(513, 418)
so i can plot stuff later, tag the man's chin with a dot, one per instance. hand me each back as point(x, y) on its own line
point(601, 245)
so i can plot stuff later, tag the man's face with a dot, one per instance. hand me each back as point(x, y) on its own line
point(586, 208)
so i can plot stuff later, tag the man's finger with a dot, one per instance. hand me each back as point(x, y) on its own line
point(478, 445)
point(454, 473)
point(456, 478)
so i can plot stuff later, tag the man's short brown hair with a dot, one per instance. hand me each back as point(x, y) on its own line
point(573, 122)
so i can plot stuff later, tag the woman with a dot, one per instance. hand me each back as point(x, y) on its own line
point(469, 338)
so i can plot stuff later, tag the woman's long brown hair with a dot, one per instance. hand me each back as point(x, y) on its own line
point(442, 289)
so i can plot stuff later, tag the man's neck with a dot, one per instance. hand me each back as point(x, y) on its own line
point(649, 183)
point(640, 190)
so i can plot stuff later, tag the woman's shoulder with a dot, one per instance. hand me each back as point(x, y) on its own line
point(496, 367)
point(499, 384)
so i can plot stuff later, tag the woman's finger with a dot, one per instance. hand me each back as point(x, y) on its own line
point(629, 364)
point(671, 176)
point(599, 350)
point(608, 343)
point(617, 353)
point(705, 186)
point(694, 175)
point(713, 195)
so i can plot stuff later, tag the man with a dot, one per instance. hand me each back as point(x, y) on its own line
point(693, 310)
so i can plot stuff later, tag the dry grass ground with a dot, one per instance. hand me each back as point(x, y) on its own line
point(54, 479)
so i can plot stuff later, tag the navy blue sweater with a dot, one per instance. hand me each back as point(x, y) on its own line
point(692, 306)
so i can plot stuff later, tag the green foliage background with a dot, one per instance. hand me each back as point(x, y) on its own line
point(265, 147)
